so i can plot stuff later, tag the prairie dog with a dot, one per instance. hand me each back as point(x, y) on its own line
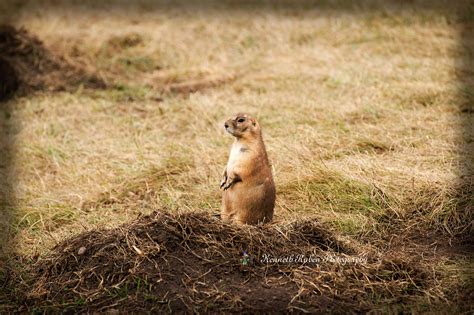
point(249, 190)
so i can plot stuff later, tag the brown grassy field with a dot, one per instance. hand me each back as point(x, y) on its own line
point(366, 109)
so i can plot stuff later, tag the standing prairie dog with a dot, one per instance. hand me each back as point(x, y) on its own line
point(249, 190)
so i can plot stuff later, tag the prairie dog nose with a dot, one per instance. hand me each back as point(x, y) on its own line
point(226, 125)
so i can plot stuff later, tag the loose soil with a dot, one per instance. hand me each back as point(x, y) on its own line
point(27, 65)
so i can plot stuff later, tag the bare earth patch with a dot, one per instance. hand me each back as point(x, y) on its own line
point(28, 66)
point(194, 262)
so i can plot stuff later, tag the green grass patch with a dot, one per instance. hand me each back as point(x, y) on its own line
point(325, 191)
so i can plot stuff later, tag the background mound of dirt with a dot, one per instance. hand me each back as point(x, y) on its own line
point(26, 65)
point(195, 262)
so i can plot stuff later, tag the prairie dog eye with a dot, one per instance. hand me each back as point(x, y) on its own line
point(240, 120)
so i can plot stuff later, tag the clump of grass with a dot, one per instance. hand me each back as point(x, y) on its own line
point(350, 205)
point(120, 42)
point(123, 92)
point(139, 64)
point(143, 188)
point(326, 191)
point(370, 146)
point(446, 209)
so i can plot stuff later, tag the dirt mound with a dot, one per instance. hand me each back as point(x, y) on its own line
point(194, 262)
point(26, 65)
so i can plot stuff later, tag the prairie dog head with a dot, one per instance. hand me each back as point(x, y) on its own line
point(242, 126)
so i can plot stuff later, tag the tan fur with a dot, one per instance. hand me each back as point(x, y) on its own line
point(249, 190)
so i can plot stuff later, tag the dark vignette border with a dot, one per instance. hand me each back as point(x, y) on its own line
point(464, 19)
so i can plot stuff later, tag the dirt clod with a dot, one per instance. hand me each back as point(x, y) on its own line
point(81, 250)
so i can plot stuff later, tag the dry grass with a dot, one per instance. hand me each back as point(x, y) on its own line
point(360, 107)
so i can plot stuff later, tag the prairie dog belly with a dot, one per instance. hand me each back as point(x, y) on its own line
point(249, 203)
point(247, 196)
point(234, 157)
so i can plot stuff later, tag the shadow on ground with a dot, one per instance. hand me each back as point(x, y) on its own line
point(7, 196)
point(466, 163)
